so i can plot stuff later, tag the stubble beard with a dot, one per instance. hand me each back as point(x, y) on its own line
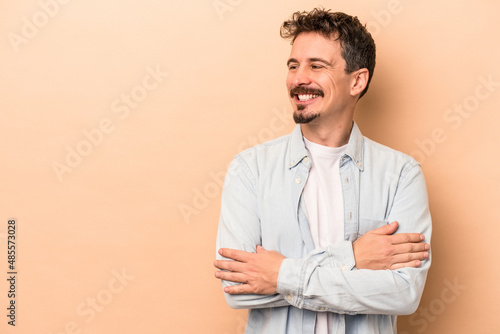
point(301, 118)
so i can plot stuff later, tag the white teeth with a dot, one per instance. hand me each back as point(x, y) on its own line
point(306, 97)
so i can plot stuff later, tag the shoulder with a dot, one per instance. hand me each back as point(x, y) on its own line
point(267, 151)
point(262, 160)
point(376, 154)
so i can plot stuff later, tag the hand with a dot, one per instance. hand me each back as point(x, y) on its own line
point(381, 249)
point(258, 272)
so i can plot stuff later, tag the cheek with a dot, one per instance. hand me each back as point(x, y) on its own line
point(289, 81)
point(329, 81)
point(325, 81)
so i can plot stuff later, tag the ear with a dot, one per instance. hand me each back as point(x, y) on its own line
point(359, 81)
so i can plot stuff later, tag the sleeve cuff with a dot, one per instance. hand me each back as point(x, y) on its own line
point(295, 274)
point(342, 255)
point(289, 281)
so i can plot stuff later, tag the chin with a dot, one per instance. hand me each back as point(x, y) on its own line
point(301, 118)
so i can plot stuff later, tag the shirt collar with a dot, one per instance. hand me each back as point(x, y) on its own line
point(354, 150)
point(297, 148)
point(355, 147)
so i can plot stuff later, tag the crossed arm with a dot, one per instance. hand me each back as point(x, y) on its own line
point(378, 249)
point(382, 272)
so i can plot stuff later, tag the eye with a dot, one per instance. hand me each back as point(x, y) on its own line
point(316, 66)
point(292, 66)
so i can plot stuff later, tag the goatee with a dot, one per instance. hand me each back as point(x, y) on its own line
point(300, 118)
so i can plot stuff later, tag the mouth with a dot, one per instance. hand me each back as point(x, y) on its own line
point(305, 95)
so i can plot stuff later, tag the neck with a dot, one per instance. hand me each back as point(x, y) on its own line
point(332, 134)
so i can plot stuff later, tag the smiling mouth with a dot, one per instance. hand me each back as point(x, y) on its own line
point(305, 94)
point(306, 97)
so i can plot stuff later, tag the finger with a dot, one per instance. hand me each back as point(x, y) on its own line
point(411, 264)
point(234, 266)
point(240, 289)
point(234, 254)
point(402, 238)
point(409, 257)
point(411, 247)
point(386, 229)
point(230, 276)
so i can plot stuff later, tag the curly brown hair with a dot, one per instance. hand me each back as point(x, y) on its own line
point(357, 44)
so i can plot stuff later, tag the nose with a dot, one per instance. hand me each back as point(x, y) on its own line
point(302, 77)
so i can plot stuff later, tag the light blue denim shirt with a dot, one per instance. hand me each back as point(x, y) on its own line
point(261, 205)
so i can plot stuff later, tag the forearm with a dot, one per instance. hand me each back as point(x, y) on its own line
point(249, 301)
point(324, 280)
point(306, 284)
point(253, 301)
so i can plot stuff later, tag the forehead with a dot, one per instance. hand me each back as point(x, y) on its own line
point(314, 45)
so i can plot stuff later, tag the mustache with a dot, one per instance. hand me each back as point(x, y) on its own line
point(306, 90)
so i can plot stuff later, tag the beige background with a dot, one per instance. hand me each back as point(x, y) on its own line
point(141, 199)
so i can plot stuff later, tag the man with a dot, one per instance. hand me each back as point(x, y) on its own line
point(307, 234)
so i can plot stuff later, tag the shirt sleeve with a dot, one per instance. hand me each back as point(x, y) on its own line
point(326, 279)
point(239, 228)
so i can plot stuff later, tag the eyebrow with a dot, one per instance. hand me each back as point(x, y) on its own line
point(311, 60)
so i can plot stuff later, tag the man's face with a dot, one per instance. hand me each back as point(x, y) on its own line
point(317, 82)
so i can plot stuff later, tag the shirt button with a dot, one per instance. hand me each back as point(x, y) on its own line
point(297, 181)
point(322, 308)
point(291, 163)
point(344, 267)
point(289, 297)
point(306, 159)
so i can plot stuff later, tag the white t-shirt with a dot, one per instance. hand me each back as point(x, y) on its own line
point(325, 205)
